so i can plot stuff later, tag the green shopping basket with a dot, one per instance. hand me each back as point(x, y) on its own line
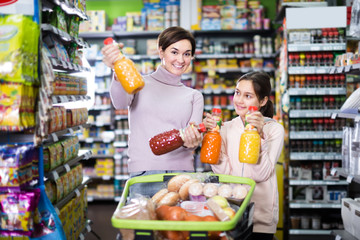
point(193, 226)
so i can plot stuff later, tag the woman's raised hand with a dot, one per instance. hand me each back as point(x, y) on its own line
point(111, 53)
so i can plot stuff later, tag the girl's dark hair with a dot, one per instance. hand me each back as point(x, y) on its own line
point(172, 35)
point(262, 87)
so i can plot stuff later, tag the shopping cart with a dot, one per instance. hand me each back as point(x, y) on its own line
point(240, 227)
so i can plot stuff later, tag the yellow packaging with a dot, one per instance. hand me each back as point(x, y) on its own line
point(249, 146)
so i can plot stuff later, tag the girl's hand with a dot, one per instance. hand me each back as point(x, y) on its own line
point(192, 137)
point(209, 121)
point(110, 54)
point(257, 120)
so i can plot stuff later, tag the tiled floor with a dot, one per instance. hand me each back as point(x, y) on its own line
point(100, 214)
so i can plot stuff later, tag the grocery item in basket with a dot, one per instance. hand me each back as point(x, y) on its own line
point(196, 192)
point(210, 190)
point(225, 190)
point(177, 181)
point(159, 195)
point(221, 208)
point(184, 190)
point(139, 208)
point(170, 199)
point(239, 192)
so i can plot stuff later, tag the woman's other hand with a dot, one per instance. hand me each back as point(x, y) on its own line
point(209, 121)
point(257, 120)
point(110, 53)
point(192, 137)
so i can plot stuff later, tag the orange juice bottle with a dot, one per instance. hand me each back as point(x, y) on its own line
point(250, 141)
point(126, 72)
point(211, 144)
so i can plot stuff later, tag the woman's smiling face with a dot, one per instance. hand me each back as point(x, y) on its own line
point(177, 57)
point(244, 97)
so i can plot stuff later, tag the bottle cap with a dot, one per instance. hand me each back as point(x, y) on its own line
point(216, 110)
point(108, 41)
point(253, 108)
point(202, 127)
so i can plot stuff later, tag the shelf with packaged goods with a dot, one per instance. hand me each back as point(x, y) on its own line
point(315, 135)
point(312, 113)
point(71, 195)
point(66, 6)
point(317, 91)
point(344, 173)
point(308, 70)
point(233, 55)
point(69, 98)
point(54, 137)
point(64, 36)
point(54, 173)
point(59, 64)
point(300, 156)
point(343, 235)
point(349, 69)
point(355, 116)
point(236, 70)
point(317, 47)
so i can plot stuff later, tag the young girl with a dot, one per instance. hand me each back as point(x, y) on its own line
point(164, 103)
point(253, 89)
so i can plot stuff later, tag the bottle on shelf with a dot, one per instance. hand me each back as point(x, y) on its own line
point(170, 140)
point(250, 141)
point(211, 144)
point(126, 72)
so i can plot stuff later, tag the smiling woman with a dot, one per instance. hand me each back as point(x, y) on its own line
point(164, 103)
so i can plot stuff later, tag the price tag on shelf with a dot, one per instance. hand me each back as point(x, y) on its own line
point(106, 178)
point(81, 236)
point(211, 72)
point(89, 140)
point(349, 178)
point(71, 131)
point(55, 175)
point(54, 137)
point(338, 237)
point(67, 167)
point(54, 99)
point(57, 211)
point(76, 67)
point(81, 128)
point(73, 98)
point(77, 192)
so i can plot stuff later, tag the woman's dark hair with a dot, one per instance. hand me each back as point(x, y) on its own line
point(262, 87)
point(172, 35)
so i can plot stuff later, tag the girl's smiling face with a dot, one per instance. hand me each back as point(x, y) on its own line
point(245, 96)
point(177, 57)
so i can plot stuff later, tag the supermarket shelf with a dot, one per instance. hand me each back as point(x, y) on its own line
point(100, 107)
point(209, 91)
point(354, 68)
point(355, 116)
point(16, 137)
point(68, 98)
point(199, 33)
point(210, 107)
point(316, 182)
point(100, 35)
point(122, 177)
point(310, 113)
point(66, 6)
point(120, 144)
point(67, 66)
point(343, 235)
point(102, 156)
point(315, 205)
point(86, 230)
point(233, 55)
point(64, 36)
point(122, 131)
point(316, 91)
point(75, 192)
point(121, 117)
point(308, 70)
point(148, 34)
point(316, 135)
point(315, 156)
point(54, 174)
point(344, 173)
point(235, 70)
point(54, 137)
point(317, 47)
point(99, 140)
point(309, 232)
